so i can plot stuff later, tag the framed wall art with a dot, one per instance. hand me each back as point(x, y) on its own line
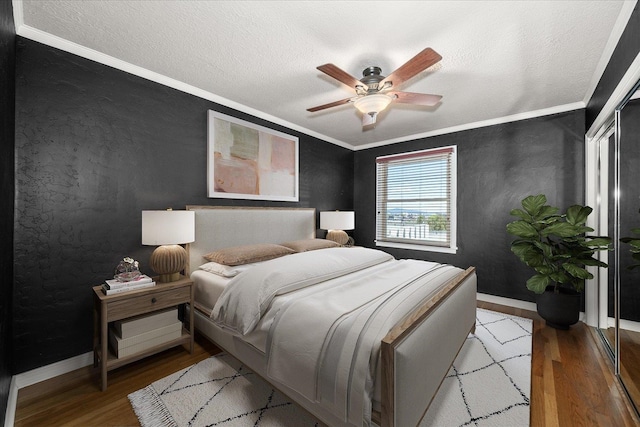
point(247, 161)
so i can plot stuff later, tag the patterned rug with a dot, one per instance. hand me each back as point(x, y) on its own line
point(488, 385)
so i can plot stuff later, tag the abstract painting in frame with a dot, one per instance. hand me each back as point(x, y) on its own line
point(248, 161)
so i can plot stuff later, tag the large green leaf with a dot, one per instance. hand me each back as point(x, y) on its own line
point(577, 271)
point(591, 261)
point(548, 220)
point(528, 254)
point(559, 276)
point(544, 269)
point(577, 215)
point(522, 229)
point(583, 229)
point(560, 229)
point(520, 213)
point(547, 211)
point(533, 204)
point(521, 247)
point(599, 242)
point(538, 283)
point(560, 256)
point(547, 249)
point(533, 259)
point(635, 257)
point(632, 241)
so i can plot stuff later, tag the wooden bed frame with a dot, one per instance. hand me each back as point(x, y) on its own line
point(415, 355)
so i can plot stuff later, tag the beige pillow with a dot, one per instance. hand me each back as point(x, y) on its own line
point(246, 254)
point(310, 244)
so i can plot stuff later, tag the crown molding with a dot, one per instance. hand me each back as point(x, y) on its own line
point(628, 81)
point(480, 124)
point(93, 55)
point(616, 32)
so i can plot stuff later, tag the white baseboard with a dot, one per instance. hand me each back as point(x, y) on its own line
point(629, 325)
point(44, 373)
point(10, 414)
point(37, 375)
point(516, 303)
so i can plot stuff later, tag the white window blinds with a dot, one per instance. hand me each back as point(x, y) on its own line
point(416, 199)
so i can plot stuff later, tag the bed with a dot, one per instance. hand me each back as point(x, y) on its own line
point(397, 325)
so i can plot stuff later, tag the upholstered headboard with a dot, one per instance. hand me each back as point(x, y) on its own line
point(223, 226)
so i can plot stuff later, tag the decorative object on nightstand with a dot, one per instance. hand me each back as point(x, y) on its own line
point(168, 230)
point(126, 270)
point(336, 222)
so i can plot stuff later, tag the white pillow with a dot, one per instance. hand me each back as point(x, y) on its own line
point(225, 270)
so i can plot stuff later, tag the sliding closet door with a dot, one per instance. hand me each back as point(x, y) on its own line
point(628, 126)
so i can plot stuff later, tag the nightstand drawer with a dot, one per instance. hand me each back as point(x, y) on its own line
point(135, 305)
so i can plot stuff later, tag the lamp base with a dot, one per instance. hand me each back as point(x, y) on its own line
point(168, 261)
point(166, 278)
point(338, 236)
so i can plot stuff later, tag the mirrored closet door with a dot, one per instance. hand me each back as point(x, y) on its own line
point(628, 217)
point(619, 213)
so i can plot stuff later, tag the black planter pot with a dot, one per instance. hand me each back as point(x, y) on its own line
point(560, 310)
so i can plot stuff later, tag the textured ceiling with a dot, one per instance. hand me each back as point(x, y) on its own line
point(500, 59)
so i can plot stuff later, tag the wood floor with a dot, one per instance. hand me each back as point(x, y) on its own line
point(629, 359)
point(571, 384)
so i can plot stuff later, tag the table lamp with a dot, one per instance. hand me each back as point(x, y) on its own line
point(336, 222)
point(168, 230)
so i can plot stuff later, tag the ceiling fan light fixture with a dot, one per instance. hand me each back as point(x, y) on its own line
point(373, 104)
point(370, 98)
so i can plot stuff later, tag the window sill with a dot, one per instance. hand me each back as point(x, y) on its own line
point(414, 247)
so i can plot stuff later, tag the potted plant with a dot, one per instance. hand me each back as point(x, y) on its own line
point(635, 247)
point(556, 247)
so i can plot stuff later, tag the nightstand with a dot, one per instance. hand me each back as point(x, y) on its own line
point(109, 308)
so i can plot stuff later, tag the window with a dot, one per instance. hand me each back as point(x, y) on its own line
point(416, 200)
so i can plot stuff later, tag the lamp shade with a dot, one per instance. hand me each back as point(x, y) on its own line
point(373, 103)
point(168, 227)
point(337, 220)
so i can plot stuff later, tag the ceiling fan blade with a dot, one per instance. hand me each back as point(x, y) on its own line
point(415, 98)
point(341, 76)
point(329, 105)
point(415, 65)
point(369, 119)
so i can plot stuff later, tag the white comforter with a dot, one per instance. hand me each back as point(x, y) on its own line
point(325, 343)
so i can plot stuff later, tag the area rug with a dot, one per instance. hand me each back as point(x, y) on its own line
point(488, 385)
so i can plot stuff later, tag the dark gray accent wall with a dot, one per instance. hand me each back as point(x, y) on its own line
point(94, 147)
point(497, 167)
point(7, 142)
point(625, 52)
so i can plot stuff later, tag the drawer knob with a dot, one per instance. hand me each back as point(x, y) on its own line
point(153, 300)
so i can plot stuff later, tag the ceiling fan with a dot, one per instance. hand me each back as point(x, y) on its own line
point(374, 92)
